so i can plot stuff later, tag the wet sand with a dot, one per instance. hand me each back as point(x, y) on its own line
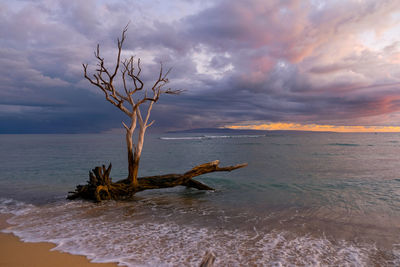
point(15, 253)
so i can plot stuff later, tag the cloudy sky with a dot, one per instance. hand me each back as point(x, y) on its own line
point(290, 64)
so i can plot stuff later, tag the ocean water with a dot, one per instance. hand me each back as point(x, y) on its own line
point(305, 199)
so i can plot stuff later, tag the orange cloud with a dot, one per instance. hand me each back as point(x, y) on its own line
point(315, 127)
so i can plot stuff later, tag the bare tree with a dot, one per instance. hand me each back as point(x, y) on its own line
point(136, 101)
point(124, 99)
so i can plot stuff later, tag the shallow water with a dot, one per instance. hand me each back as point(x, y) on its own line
point(305, 199)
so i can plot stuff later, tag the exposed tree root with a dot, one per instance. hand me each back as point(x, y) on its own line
point(100, 187)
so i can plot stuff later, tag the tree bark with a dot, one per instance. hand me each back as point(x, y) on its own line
point(100, 187)
point(132, 165)
point(131, 160)
point(136, 155)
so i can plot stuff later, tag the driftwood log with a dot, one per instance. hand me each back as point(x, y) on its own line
point(100, 186)
point(208, 260)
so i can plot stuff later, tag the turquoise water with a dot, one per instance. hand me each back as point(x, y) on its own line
point(305, 199)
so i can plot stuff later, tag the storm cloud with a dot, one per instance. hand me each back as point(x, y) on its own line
point(311, 62)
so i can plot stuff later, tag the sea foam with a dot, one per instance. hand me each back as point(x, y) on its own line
point(120, 232)
point(11, 206)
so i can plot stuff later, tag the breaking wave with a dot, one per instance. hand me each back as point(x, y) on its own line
point(205, 137)
point(118, 232)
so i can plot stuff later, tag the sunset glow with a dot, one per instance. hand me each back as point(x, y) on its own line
point(316, 128)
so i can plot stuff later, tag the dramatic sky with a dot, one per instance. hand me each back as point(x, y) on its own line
point(289, 64)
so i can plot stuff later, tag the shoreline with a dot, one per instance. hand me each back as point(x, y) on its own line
point(16, 253)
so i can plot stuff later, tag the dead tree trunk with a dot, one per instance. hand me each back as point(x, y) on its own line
point(132, 176)
point(100, 187)
point(130, 97)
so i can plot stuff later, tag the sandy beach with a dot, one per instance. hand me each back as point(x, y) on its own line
point(15, 253)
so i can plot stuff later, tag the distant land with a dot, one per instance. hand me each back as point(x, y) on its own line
point(241, 131)
point(220, 131)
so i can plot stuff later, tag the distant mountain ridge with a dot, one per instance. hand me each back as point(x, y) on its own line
point(220, 131)
point(243, 131)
